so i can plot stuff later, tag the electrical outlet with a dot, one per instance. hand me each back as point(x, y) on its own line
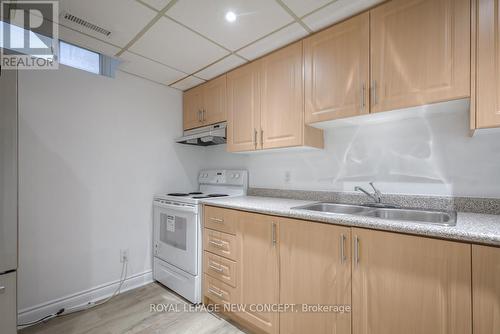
point(123, 255)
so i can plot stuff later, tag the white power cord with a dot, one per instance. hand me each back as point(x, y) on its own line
point(88, 306)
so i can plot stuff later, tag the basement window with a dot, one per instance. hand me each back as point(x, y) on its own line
point(87, 60)
point(77, 57)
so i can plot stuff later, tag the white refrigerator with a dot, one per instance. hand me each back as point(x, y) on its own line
point(8, 200)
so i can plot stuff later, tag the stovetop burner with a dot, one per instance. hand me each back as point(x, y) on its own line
point(199, 197)
point(178, 194)
point(217, 195)
point(196, 193)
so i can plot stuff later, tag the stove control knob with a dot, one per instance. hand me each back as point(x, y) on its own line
point(237, 176)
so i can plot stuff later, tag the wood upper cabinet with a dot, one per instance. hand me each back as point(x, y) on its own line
point(315, 268)
point(420, 52)
point(487, 61)
point(282, 113)
point(407, 284)
point(336, 67)
point(486, 289)
point(243, 104)
point(265, 104)
point(205, 104)
point(214, 101)
point(192, 107)
point(259, 272)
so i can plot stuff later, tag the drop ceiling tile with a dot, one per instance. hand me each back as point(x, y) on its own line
point(149, 69)
point(274, 41)
point(220, 67)
point(173, 45)
point(303, 7)
point(256, 18)
point(124, 18)
point(337, 11)
point(157, 4)
point(187, 83)
point(87, 42)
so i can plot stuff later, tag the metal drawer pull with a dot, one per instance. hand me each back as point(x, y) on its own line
point(363, 90)
point(217, 243)
point(255, 137)
point(216, 267)
point(217, 220)
point(342, 249)
point(218, 294)
point(203, 113)
point(273, 234)
point(2, 289)
point(356, 250)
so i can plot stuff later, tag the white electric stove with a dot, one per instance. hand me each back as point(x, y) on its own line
point(177, 230)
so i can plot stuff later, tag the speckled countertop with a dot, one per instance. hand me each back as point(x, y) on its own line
point(471, 227)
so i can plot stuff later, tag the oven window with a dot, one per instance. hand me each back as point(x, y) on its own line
point(173, 230)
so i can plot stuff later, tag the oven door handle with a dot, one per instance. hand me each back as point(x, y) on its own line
point(176, 207)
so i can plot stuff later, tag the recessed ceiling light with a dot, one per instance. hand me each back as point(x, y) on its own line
point(230, 16)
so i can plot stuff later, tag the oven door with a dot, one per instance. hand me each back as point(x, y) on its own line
point(176, 233)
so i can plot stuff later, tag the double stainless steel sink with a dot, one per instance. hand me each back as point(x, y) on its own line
point(433, 217)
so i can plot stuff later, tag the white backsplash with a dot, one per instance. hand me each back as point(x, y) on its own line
point(432, 154)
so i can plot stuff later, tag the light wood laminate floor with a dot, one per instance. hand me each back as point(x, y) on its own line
point(130, 313)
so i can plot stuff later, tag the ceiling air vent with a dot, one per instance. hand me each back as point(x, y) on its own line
point(85, 24)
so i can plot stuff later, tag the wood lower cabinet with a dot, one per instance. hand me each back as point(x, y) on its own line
point(259, 269)
point(337, 71)
point(420, 52)
point(205, 104)
point(486, 289)
point(315, 268)
point(486, 54)
point(407, 284)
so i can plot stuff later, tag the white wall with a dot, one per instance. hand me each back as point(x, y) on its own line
point(93, 151)
point(431, 154)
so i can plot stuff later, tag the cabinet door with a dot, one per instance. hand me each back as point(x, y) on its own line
point(8, 306)
point(243, 108)
point(486, 289)
point(420, 52)
point(407, 284)
point(192, 107)
point(488, 64)
point(336, 67)
point(315, 268)
point(214, 101)
point(259, 278)
point(282, 116)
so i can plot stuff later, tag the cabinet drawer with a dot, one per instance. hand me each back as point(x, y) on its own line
point(218, 291)
point(219, 219)
point(220, 243)
point(220, 268)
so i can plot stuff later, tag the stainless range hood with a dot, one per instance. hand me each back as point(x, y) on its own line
point(214, 134)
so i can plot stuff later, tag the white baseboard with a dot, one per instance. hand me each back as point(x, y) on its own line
point(82, 298)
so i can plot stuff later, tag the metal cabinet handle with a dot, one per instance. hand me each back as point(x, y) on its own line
point(262, 138)
point(2, 289)
point(218, 294)
point(217, 243)
point(217, 220)
point(199, 115)
point(374, 92)
point(356, 250)
point(204, 112)
point(255, 137)
point(273, 234)
point(343, 258)
point(216, 268)
point(363, 93)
